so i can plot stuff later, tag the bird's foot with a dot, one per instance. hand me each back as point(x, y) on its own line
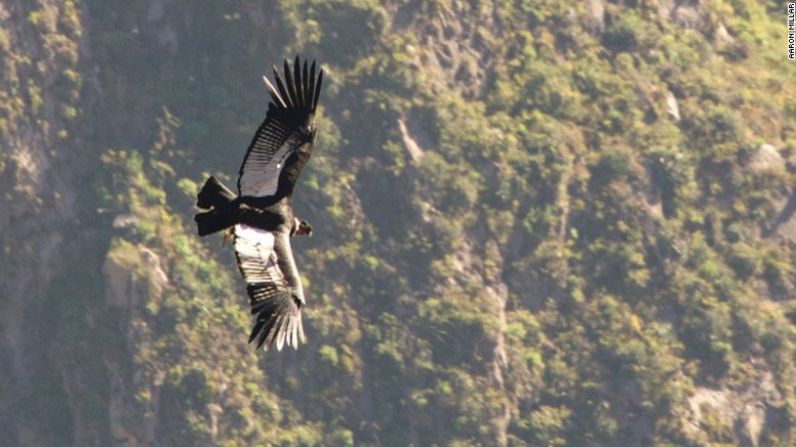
point(228, 235)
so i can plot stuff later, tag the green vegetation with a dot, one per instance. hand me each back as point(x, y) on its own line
point(584, 254)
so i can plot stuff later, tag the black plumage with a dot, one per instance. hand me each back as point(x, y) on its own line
point(261, 214)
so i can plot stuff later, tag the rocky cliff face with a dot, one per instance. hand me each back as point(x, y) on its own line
point(43, 52)
point(537, 224)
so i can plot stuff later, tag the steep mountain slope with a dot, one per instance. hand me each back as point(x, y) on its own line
point(536, 224)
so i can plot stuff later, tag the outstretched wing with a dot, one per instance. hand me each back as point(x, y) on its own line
point(288, 126)
point(272, 299)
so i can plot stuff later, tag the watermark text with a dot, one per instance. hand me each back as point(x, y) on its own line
point(792, 30)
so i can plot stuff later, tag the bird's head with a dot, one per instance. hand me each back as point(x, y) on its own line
point(301, 227)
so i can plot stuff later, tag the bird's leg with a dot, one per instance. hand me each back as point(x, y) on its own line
point(228, 235)
point(300, 227)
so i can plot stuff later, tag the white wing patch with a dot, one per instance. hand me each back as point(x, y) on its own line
point(258, 261)
point(272, 300)
point(260, 176)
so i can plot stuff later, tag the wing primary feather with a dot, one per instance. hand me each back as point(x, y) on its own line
point(280, 84)
point(272, 91)
point(305, 88)
point(256, 329)
point(290, 87)
point(317, 90)
point(272, 335)
point(266, 337)
point(263, 333)
point(305, 76)
point(297, 82)
point(294, 332)
point(301, 330)
point(311, 89)
point(291, 329)
point(280, 338)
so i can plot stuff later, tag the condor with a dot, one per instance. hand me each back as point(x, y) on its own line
point(261, 214)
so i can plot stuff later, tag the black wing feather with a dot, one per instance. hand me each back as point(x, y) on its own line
point(273, 92)
point(317, 90)
point(281, 86)
point(283, 131)
point(311, 88)
point(305, 95)
point(297, 84)
point(291, 89)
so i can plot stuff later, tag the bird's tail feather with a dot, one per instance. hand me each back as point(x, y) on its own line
point(214, 194)
point(212, 221)
point(214, 197)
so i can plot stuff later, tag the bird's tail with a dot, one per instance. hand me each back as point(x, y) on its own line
point(212, 221)
point(214, 194)
point(216, 198)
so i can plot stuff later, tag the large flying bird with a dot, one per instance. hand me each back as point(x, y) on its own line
point(261, 215)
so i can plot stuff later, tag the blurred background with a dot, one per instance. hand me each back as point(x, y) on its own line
point(537, 223)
